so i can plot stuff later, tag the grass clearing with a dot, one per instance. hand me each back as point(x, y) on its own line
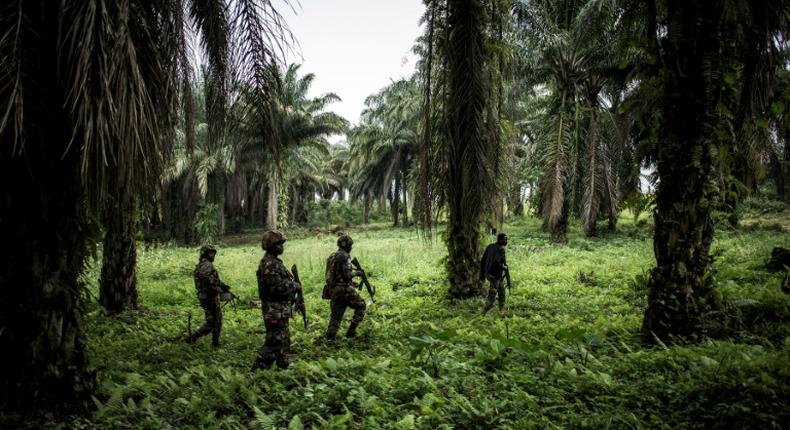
point(565, 354)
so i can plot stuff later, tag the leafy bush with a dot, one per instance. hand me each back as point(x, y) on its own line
point(565, 354)
point(638, 203)
point(207, 223)
point(761, 203)
point(344, 212)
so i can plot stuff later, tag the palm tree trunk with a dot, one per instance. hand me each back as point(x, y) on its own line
point(118, 282)
point(219, 199)
point(554, 199)
point(514, 202)
point(591, 200)
point(783, 170)
point(47, 231)
point(466, 107)
point(382, 203)
point(271, 204)
point(683, 225)
point(425, 198)
point(41, 298)
point(366, 209)
point(294, 202)
point(395, 200)
point(405, 201)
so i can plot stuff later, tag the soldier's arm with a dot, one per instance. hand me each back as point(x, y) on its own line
point(347, 271)
point(210, 276)
point(215, 281)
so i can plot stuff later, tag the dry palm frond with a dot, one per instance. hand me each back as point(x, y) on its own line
point(556, 165)
point(594, 179)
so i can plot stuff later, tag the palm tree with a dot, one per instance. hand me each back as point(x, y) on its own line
point(699, 43)
point(385, 145)
point(297, 121)
point(470, 167)
point(570, 49)
point(90, 92)
point(779, 149)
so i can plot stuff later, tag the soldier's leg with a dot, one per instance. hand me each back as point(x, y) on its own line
point(501, 294)
point(357, 303)
point(208, 324)
point(492, 293)
point(338, 308)
point(216, 328)
point(285, 344)
point(268, 353)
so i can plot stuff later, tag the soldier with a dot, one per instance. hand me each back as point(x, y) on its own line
point(276, 289)
point(341, 291)
point(492, 267)
point(208, 288)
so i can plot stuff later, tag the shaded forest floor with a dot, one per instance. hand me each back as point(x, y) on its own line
point(565, 354)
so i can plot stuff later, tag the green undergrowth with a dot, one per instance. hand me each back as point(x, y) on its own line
point(565, 354)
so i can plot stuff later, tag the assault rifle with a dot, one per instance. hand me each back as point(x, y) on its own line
point(226, 296)
point(299, 298)
point(371, 290)
point(507, 276)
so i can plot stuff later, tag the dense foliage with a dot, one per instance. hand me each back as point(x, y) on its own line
point(547, 118)
point(566, 354)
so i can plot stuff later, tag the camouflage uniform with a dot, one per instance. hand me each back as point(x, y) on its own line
point(276, 289)
point(343, 294)
point(492, 269)
point(208, 288)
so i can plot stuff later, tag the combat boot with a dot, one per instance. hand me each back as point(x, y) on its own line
point(352, 330)
point(329, 338)
point(261, 365)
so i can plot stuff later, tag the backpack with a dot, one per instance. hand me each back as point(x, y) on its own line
point(329, 277)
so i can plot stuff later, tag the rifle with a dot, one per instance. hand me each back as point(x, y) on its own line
point(226, 296)
point(507, 277)
point(371, 290)
point(299, 298)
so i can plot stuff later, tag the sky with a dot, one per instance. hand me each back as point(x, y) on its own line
point(354, 47)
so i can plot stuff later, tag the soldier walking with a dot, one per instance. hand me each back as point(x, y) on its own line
point(492, 268)
point(341, 290)
point(276, 289)
point(208, 287)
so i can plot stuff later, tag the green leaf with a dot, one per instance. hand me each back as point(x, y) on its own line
point(330, 363)
point(406, 423)
point(263, 421)
point(296, 423)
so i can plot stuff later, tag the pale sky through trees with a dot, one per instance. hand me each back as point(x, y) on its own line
point(354, 47)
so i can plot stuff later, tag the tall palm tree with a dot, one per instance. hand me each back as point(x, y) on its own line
point(469, 151)
point(698, 43)
point(297, 121)
point(386, 143)
point(570, 49)
point(89, 90)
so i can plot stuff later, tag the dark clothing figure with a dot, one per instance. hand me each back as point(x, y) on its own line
point(492, 268)
point(492, 265)
point(496, 289)
point(208, 288)
point(276, 289)
point(343, 294)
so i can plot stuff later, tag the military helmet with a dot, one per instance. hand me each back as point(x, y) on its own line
point(271, 238)
point(344, 241)
point(205, 249)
